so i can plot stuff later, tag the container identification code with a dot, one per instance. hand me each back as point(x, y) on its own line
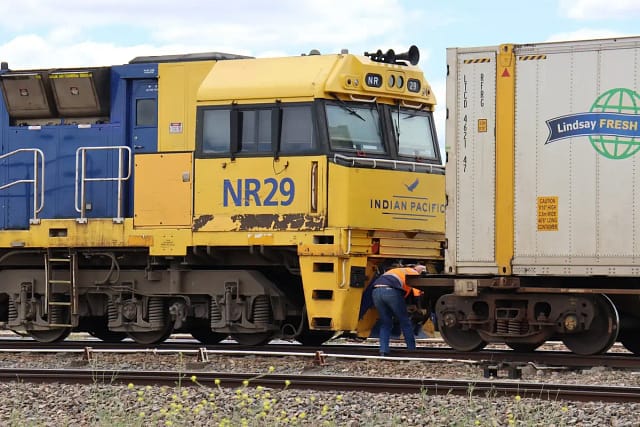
point(548, 213)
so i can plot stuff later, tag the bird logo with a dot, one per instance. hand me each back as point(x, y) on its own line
point(413, 185)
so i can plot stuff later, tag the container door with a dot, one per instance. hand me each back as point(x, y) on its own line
point(471, 172)
point(143, 114)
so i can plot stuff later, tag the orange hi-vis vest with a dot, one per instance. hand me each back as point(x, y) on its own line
point(397, 278)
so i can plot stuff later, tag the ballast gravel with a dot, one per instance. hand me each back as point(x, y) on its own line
point(205, 404)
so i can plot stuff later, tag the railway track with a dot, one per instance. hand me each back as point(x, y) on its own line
point(485, 357)
point(332, 383)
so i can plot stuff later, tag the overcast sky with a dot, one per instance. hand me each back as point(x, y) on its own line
point(52, 34)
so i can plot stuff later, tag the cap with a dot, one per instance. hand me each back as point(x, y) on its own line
point(420, 268)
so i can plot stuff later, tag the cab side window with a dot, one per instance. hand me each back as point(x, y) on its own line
point(256, 131)
point(297, 130)
point(216, 131)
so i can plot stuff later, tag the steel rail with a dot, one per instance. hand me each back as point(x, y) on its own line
point(537, 358)
point(488, 389)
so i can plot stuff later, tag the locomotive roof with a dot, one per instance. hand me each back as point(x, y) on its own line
point(303, 78)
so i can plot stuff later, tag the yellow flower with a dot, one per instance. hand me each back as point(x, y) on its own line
point(512, 422)
point(518, 398)
point(271, 368)
point(339, 397)
point(477, 422)
point(185, 393)
point(168, 423)
point(130, 386)
point(149, 387)
point(140, 399)
point(217, 381)
point(245, 383)
point(287, 383)
point(259, 388)
point(141, 414)
point(194, 378)
point(565, 409)
point(312, 398)
point(302, 415)
point(174, 396)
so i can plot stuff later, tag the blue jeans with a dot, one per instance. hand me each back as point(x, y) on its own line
point(390, 303)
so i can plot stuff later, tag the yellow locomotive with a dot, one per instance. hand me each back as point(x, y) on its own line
point(213, 194)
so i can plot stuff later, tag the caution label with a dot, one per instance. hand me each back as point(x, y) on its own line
point(548, 213)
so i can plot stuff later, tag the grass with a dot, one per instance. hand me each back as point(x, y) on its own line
point(192, 403)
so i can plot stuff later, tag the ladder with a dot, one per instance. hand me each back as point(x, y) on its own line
point(61, 269)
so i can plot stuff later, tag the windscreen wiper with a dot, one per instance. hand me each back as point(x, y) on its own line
point(347, 108)
point(415, 113)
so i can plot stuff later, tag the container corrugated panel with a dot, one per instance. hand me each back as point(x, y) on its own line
point(577, 166)
point(470, 174)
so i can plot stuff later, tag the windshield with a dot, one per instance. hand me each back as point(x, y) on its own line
point(354, 128)
point(414, 136)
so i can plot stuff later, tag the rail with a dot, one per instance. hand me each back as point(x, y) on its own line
point(432, 386)
point(37, 180)
point(394, 164)
point(82, 179)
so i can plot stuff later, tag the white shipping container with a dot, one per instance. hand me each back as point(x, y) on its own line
point(575, 164)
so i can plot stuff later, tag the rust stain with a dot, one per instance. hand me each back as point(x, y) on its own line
point(201, 221)
point(278, 222)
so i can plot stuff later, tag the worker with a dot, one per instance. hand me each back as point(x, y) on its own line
point(389, 293)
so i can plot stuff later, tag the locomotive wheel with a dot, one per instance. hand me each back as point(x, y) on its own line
point(158, 312)
point(314, 338)
point(151, 337)
point(207, 336)
point(51, 335)
point(602, 334)
point(253, 339)
point(524, 347)
point(462, 340)
point(106, 335)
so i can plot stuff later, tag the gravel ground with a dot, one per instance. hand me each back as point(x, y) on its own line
point(207, 404)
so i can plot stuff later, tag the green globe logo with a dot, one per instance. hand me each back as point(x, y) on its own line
point(619, 100)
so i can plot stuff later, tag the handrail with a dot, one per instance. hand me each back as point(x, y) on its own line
point(394, 163)
point(37, 180)
point(81, 179)
point(370, 100)
point(417, 106)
